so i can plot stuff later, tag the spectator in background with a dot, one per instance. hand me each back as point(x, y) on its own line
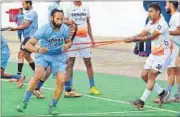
point(18, 19)
point(140, 48)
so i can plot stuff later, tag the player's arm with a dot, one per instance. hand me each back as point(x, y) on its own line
point(133, 38)
point(178, 27)
point(67, 44)
point(152, 36)
point(72, 25)
point(68, 40)
point(21, 27)
point(30, 46)
point(175, 32)
point(90, 30)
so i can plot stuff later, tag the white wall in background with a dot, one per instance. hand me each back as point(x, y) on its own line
point(107, 18)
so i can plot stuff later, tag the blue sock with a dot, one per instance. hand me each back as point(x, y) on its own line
point(54, 102)
point(68, 86)
point(91, 82)
point(27, 96)
point(40, 84)
point(169, 88)
point(71, 81)
point(16, 76)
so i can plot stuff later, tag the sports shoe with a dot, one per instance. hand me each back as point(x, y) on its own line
point(139, 104)
point(38, 94)
point(162, 97)
point(71, 94)
point(21, 107)
point(94, 91)
point(175, 98)
point(20, 81)
point(157, 101)
point(53, 110)
point(12, 80)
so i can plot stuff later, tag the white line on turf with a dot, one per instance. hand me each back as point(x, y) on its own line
point(103, 113)
point(110, 100)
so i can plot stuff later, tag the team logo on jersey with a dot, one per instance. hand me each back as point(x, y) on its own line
point(55, 40)
point(159, 67)
point(159, 27)
point(78, 14)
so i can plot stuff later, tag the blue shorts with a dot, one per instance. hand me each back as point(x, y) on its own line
point(20, 33)
point(5, 54)
point(57, 63)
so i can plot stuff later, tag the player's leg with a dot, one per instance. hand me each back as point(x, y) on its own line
point(176, 97)
point(39, 72)
point(177, 62)
point(145, 72)
point(171, 78)
point(58, 68)
point(172, 68)
point(86, 55)
point(173, 73)
point(144, 75)
point(60, 78)
point(70, 65)
point(37, 92)
point(41, 64)
point(90, 72)
point(5, 54)
point(19, 33)
point(5, 75)
point(15, 77)
point(4, 60)
point(139, 103)
point(30, 60)
point(69, 92)
point(170, 83)
point(21, 55)
point(159, 64)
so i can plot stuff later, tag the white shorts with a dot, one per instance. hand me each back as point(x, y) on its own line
point(158, 63)
point(174, 56)
point(84, 53)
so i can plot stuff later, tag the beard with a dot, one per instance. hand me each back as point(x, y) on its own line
point(56, 25)
point(168, 11)
point(27, 8)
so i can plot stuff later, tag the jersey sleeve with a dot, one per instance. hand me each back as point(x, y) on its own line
point(66, 32)
point(146, 28)
point(39, 34)
point(161, 27)
point(29, 16)
point(177, 18)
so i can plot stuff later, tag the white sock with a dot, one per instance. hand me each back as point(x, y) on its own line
point(157, 88)
point(145, 95)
